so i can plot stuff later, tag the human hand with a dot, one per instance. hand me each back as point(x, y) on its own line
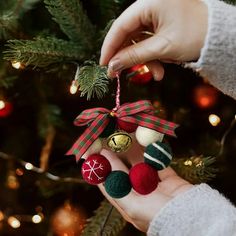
point(179, 28)
point(140, 209)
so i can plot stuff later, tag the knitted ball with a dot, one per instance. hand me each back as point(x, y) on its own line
point(144, 178)
point(158, 155)
point(110, 128)
point(146, 136)
point(126, 126)
point(95, 169)
point(117, 184)
point(96, 147)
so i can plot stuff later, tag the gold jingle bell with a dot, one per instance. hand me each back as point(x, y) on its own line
point(119, 141)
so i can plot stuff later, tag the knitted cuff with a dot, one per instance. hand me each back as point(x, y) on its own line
point(196, 212)
point(217, 62)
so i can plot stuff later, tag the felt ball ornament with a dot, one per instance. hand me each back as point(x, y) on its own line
point(146, 136)
point(117, 184)
point(126, 126)
point(144, 178)
point(110, 128)
point(158, 155)
point(96, 147)
point(139, 74)
point(95, 169)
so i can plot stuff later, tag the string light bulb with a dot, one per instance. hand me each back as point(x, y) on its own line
point(214, 119)
point(29, 166)
point(2, 104)
point(36, 219)
point(74, 87)
point(16, 64)
point(13, 222)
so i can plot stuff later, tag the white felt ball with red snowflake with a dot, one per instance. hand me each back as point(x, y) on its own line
point(95, 169)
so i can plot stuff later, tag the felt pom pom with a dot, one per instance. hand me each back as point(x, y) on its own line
point(110, 128)
point(144, 178)
point(117, 184)
point(158, 155)
point(95, 169)
point(126, 126)
point(146, 136)
point(96, 147)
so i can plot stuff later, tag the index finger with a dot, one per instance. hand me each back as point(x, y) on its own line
point(124, 25)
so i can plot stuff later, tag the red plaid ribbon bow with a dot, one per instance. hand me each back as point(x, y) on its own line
point(140, 113)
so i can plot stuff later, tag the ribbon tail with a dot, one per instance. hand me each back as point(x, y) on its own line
point(89, 136)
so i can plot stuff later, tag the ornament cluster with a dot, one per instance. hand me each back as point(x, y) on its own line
point(142, 177)
point(115, 125)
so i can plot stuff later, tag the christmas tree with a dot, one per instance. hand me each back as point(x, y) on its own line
point(49, 73)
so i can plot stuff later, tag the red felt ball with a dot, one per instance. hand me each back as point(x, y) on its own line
point(139, 74)
point(127, 126)
point(144, 178)
point(95, 169)
point(5, 109)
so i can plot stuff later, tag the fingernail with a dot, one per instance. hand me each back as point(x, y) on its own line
point(115, 66)
point(156, 77)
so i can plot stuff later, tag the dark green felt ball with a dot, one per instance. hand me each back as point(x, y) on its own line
point(117, 184)
point(158, 155)
point(110, 128)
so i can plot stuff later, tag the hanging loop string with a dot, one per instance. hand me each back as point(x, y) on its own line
point(117, 93)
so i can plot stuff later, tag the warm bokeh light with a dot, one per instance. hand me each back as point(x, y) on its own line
point(214, 119)
point(36, 219)
point(19, 171)
point(1, 216)
point(205, 96)
point(16, 64)
point(29, 166)
point(12, 182)
point(68, 221)
point(13, 222)
point(2, 104)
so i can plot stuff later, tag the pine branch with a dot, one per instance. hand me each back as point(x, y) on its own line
point(109, 9)
point(196, 169)
point(92, 80)
point(43, 52)
point(72, 20)
point(26, 5)
point(8, 25)
point(107, 221)
point(9, 17)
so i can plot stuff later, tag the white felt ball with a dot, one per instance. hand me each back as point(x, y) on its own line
point(95, 148)
point(146, 136)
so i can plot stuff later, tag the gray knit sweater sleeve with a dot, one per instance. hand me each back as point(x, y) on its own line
point(217, 62)
point(200, 211)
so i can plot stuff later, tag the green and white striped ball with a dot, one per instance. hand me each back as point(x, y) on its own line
point(158, 155)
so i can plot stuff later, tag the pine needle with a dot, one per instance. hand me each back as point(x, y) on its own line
point(72, 21)
point(107, 221)
point(42, 52)
point(92, 80)
point(196, 169)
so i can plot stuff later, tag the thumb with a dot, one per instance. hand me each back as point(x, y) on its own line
point(153, 48)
